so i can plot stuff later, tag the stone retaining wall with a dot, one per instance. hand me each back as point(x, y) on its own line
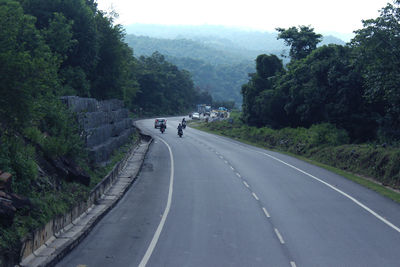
point(106, 127)
point(105, 124)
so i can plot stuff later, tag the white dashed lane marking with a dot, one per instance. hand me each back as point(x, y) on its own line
point(279, 236)
point(246, 184)
point(255, 196)
point(266, 212)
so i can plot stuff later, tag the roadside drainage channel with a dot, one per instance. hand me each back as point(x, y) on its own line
point(63, 241)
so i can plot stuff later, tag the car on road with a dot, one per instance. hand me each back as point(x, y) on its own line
point(158, 122)
point(196, 116)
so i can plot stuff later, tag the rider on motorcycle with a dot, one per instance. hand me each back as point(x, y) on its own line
point(183, 123)
point(180, 129)
point(162, 127)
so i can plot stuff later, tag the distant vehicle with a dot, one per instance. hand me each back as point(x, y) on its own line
point(196, 116)
point(158, 122)
point(203, 109)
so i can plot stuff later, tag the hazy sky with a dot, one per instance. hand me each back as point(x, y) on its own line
point(324, 16)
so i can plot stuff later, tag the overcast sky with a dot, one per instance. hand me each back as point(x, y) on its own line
point(342, 16)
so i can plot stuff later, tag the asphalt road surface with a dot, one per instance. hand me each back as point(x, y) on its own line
point(204, 200)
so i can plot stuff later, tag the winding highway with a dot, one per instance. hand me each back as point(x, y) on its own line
point(205, 200)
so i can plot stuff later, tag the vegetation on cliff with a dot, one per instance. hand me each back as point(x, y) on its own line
point(51, 48)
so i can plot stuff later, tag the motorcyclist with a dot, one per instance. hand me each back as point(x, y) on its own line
point(162, 127)
point(183, 123)
point(180, 128)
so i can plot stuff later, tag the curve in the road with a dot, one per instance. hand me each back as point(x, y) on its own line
point(357, 202)
point(156, 236)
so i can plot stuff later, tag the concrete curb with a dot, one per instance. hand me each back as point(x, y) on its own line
point(62, 242)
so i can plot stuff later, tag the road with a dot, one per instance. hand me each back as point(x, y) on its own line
point(224, 203)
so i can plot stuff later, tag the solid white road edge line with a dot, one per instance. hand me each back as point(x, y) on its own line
point(339, 191)
point(279, 236)
point(293, 264)
point(156, 236)
point(394, 227)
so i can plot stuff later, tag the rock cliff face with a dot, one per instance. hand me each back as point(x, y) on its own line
point(105, 125)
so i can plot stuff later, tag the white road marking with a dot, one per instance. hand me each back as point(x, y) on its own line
point(238, 175)
point(246, 184)
point(156, 236)
point(266, 212)
point(232, 168)
point(339, 191)
point(255, 196)
point(279, 236)
point(293, 264)
point(221, 157)
point(379, 217)
point(226, 162)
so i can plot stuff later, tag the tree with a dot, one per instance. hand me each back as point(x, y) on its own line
point(80, 59)
point(164, 89)
point(327, 87)
point(28, 70)
point(378, 48)
point(301, 41)
point(268, 67)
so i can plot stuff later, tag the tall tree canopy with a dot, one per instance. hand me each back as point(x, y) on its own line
point(164, 89)
point(301, 40)
point(377, 46)
point(28, 70)
point(354, 87)
point(261, 83)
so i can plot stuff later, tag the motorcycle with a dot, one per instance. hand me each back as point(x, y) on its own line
point(162, 129)
point(184, 125)
point(180, 132)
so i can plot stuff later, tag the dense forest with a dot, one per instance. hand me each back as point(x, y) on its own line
point(52, 48)
point(219, 58)
point(354, 87)
point(219, 72)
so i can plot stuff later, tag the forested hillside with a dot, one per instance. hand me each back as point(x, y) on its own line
point(218, 58)
point(220, 36)
point(51, 48)
point(354, 87)
point(219, 72)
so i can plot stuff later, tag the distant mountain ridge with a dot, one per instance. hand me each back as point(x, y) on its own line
point(218, 57)
point(227, 36)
